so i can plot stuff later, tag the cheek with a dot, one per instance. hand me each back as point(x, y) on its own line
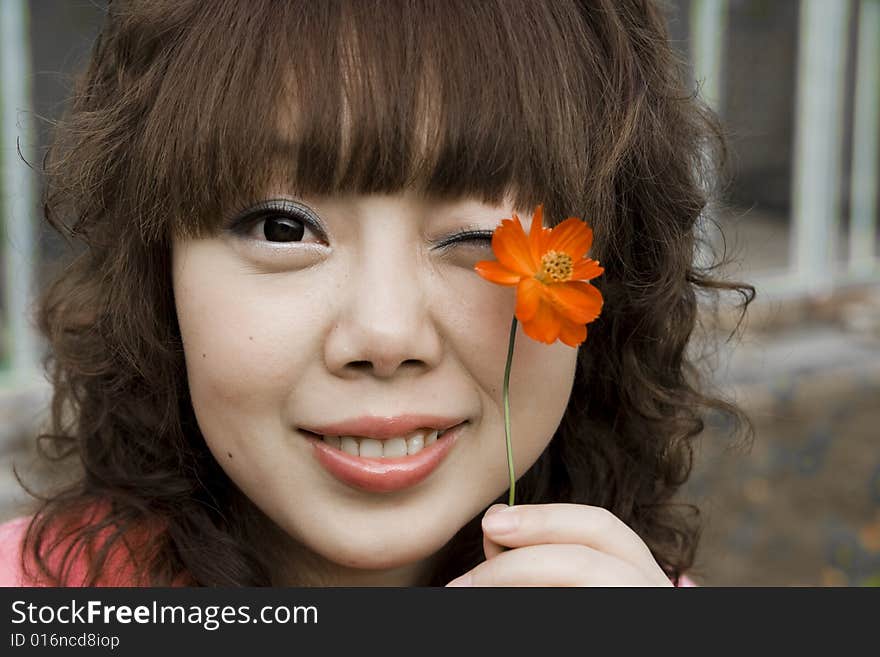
point(541, 381)
point(477, 315)
point(244, 348)
point(541, 378)
point(480, 313)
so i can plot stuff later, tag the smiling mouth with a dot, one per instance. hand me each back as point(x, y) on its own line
point(395, 447)
point(382, 474)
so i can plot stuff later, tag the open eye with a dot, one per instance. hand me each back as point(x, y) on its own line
point(276, 222)
point(280, 228)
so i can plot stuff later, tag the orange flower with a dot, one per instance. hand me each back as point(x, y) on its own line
point(549, 268)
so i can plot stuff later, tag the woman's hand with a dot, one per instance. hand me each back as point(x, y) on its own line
point(561, 545)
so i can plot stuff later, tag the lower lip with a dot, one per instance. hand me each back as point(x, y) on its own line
point(384, 475)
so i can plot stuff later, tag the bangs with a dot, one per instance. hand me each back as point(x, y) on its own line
point(454, 99)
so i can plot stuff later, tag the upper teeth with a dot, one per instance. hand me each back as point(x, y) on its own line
point(392, 447)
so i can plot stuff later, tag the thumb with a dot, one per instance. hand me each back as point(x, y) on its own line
point(491, 548)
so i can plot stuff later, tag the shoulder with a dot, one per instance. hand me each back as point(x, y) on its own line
point(11, 536)
point(686, 582)
point(119, 568)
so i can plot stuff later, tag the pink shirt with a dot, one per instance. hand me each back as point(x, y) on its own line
point(11, 535)
point(117, 572)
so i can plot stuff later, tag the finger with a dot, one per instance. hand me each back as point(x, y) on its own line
point(598, 528)
point(490, 547)
point(554, 565)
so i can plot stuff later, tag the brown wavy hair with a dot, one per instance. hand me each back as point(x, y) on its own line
point(579, 105)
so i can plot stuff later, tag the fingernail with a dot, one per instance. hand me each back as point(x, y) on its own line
point(500, 522)
point(464, 580)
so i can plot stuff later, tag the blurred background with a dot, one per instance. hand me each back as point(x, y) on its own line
point(797, 85)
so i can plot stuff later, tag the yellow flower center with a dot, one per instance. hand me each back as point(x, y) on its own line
point(556, 266)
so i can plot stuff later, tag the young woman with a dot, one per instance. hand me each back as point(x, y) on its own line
point(279, 206)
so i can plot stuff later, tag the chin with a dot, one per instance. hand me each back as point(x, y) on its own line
point(394, 550)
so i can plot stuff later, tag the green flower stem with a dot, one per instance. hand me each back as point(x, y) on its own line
point(507, 412)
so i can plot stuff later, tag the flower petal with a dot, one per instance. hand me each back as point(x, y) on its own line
point(573, 236)
point(575, 300)
point(528, 298)
point(586, 269)
point(544, 326)
point(494, 271)
point(572, 333)
point(511, 246)
point(537, 234)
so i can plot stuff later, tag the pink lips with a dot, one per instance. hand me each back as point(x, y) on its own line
point(384, 475)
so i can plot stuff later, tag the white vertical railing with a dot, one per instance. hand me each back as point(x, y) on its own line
point(708, 20)
point(818, 143)
point(819, 119)
point(16, 191)
point(866, 146)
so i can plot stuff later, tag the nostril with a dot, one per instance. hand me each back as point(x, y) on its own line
point(369, 365)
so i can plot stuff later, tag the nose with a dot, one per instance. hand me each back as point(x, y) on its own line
point(384, 325)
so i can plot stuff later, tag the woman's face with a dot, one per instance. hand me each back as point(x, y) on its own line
point(286, 328)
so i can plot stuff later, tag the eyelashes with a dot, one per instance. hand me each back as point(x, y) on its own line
point(285, 222)
point(289, 219)
point(478, 238)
